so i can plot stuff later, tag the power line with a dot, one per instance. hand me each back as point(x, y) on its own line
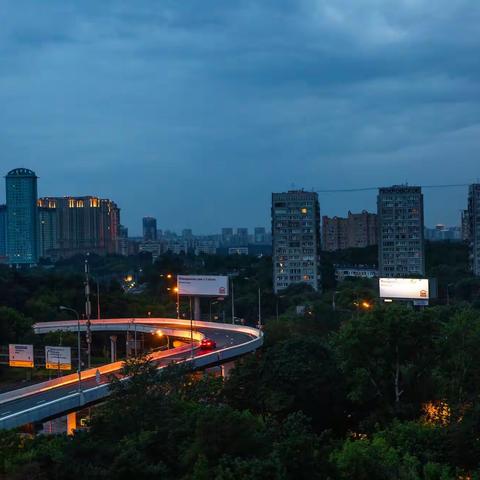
point(365, 189)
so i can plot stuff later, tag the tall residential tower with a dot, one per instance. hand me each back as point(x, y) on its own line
point(474, 226)
point(21, 217)
point(401, 250)
point(296, 239)
point(83, 224)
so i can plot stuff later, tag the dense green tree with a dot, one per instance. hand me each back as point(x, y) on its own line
point(386, 357)
point(457, 370)
point(295, 374)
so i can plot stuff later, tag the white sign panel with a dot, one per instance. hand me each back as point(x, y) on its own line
point(20, 355)
point(206, 285)
point(404, 288)
point(58, 358)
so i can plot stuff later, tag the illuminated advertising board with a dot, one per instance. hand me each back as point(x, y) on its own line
point(20, 355)
point(58, 358)
point(202, 285)
point(404, 288)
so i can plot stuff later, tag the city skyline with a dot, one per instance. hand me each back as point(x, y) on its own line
point(135, 227)
point(178, 113)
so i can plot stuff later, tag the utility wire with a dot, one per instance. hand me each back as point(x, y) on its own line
point(365, 189)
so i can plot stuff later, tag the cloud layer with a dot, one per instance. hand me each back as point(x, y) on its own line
point(196, 111)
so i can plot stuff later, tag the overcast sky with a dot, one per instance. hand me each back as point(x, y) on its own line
point(194, 111)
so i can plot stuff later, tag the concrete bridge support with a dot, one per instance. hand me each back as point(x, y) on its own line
point(71, 423)
point(113, 348)
point(226, 369)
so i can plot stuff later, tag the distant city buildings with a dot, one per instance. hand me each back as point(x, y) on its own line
point(358, 230)
point(474, 227)
point(77, 225)
point(21, 217)
point(441, 233)
point(401, 251)
point(149, 225)
point(260, 236)
point(243, 238)
point(296, 239)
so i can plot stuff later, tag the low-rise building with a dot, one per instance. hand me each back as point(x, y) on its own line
point(356, 271)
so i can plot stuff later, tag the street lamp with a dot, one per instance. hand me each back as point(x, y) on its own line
point(334, 306)
point(79, 363)
point(448, 292)
point(259, 301)
point(278, 297)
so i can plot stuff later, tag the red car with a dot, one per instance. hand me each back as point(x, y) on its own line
point(208, 344)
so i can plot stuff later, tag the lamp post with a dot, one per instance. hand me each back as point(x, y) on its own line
point(278, 297)
point(88, 313)
point(259, 307)
point(259, 301)
point(448, 292)
point(334, 306)
point(79, 362)
point(233, 304)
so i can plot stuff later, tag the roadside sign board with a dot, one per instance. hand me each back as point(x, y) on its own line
point(203, 285)
point(58, 358)
point(404, 288)
point(20, 355)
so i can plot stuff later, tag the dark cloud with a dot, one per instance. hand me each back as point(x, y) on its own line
point(195, 111)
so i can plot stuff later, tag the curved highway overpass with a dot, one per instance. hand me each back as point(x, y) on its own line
point(53, 398)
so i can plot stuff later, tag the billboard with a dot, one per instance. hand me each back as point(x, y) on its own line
point(58, 358)
point(20, 355)
point(404, 288)
point(202, 285)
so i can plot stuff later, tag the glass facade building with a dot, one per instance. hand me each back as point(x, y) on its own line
point(3, 232)
point(22, 217)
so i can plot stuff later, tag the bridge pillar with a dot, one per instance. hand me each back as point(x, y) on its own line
point(226, 369)
point(71, 423)
point(113, 348)
point(196, 308)
point(128, 345)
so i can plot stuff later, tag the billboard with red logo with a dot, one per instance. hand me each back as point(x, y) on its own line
point(404, 288)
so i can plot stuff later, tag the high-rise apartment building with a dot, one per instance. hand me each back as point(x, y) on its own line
point(21, 218)
point(3, 232)
point(296, 239)
point(149, 229)
point(474, 226)
point(84, 224)
point(358, 230)
point(47, 231)
point(401, 249)
point(334, 233)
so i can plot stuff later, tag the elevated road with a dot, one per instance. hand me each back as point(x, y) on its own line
point(62, 395)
